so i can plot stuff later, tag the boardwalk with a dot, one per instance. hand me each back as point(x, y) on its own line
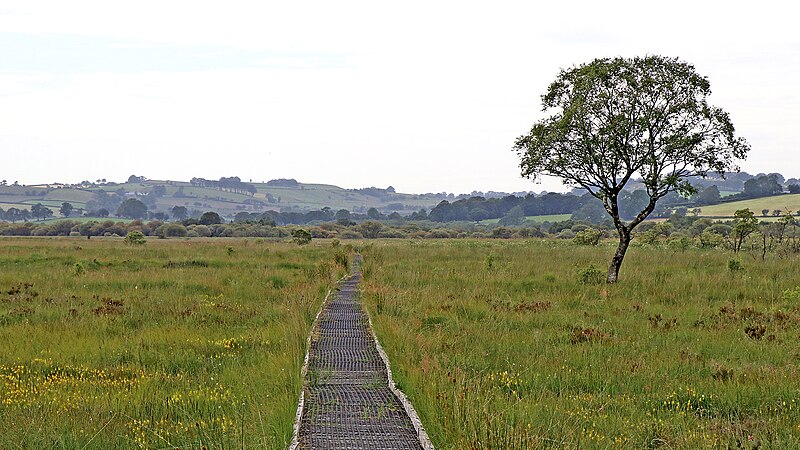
point(347, 401)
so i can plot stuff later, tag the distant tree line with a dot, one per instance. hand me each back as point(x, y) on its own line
point(284, 182)
point(230, 184)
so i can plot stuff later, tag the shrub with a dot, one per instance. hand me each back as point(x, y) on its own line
point(649, 237)
point(201, 230)
point(301, 236)
point(566, 234)
point(589, 236)
point(679, 243)
point(439, 234)
point(591, 275)
point(350, 234)
point(735, 265)
point(170, 230)
point(710, 239)
point(135, 238)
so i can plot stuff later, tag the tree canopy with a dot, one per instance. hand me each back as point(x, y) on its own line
point(132, 208)
point(615, 119)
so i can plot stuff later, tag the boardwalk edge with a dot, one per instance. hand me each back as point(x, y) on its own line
point(301, 403)
point(422, 435)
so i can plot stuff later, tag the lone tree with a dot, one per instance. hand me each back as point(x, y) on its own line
point(132, 209)
point(66, 209)
point(180, 212)
point(613, 120)
point(210, 218)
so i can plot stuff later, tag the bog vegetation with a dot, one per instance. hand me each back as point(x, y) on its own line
point(520, 344)
point(500, 344)
point(172, 344)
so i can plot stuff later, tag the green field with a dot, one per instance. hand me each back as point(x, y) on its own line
point(782, 202)
point(500, 346)
point(174, 344)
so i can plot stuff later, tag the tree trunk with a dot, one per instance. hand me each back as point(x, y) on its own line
point(616, 261)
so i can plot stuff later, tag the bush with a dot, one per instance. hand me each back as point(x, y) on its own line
point(589, 236)
point(350, 234)
point(502, 233)
point(710, 239)
point(170, 230)
point(301, 236)
point(135, 238)
point(439, 234)
point(566, 234)
point(679, 242)
point(649, 237)
point(591, 275)
point(200, 230)
point(734, 265)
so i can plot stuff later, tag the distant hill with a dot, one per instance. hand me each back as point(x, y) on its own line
point(276, 195)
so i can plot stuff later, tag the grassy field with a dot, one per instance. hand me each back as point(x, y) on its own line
point(501, 346)
point(790, 201)
point(173, 344)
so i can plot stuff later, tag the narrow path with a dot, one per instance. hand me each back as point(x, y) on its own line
point(348, 399)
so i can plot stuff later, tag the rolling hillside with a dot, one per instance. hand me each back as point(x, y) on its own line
point(302, 197)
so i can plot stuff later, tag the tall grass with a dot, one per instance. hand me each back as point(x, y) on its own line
point(504, 345)
point(174, 344)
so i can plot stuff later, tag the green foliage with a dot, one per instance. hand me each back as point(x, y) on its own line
point(135, 238)
point(710, 239)
point(679, 243)
point(649, 237)
point(591, 275)
point(132, 208)
point(735, 265)
point(791, 295)
point(301, 236)
point(616, 119)
point(210, 218)
point(179, 212)
point(589, 236)
point(66, 209)
point(745, 224)
point(39, 211)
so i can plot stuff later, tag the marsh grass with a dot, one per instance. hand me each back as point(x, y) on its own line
point(521, 353)
point(172, 344)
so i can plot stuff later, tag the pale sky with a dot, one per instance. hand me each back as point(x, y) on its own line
point(425, 96)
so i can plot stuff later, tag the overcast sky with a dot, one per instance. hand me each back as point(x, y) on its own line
point(425, 96)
